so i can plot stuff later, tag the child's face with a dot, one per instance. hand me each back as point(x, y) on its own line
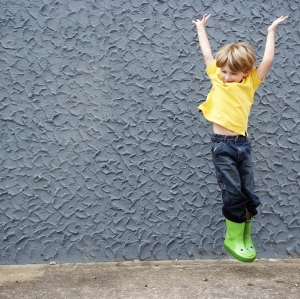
point(229, 76)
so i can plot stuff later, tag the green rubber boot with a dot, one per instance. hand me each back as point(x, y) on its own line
point(247, 238)
point(234, 242)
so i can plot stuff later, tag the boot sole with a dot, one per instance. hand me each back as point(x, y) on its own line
point(238, 257)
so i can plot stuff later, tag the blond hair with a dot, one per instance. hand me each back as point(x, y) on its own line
point(239, 57)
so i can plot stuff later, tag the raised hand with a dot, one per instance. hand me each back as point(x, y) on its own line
point(278, 21)
point(202, 22)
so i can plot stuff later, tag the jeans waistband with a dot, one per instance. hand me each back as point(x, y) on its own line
point(225, 138)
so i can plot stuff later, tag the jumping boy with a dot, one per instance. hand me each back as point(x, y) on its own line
point(227, 106)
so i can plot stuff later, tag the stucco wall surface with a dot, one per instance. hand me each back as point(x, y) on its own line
point(104, 156)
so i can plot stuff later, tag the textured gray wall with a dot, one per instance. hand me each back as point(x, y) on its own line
point(104, 156)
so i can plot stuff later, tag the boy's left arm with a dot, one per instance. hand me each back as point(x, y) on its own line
point(269, 49)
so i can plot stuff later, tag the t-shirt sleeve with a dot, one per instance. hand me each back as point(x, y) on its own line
point(256, 81)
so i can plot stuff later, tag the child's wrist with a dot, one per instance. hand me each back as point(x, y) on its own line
point(271, 29)
point(200, 27)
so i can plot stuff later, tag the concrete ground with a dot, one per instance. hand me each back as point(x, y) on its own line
point(144, 280)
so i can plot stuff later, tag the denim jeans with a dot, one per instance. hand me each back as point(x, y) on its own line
point(234, 170)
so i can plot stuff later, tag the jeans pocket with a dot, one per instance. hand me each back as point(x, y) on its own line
point(215, 146)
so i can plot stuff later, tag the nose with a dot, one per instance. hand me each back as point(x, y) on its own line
point(227, 77)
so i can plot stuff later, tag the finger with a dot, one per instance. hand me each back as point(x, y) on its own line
point(283, 17)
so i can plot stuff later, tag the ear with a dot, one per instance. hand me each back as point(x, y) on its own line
point(246, 73)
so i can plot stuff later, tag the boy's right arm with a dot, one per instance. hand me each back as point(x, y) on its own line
point(203, 40)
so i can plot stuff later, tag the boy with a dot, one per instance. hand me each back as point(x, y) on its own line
point(234, 82)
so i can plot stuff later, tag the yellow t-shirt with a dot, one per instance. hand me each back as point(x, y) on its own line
point(229, 104)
